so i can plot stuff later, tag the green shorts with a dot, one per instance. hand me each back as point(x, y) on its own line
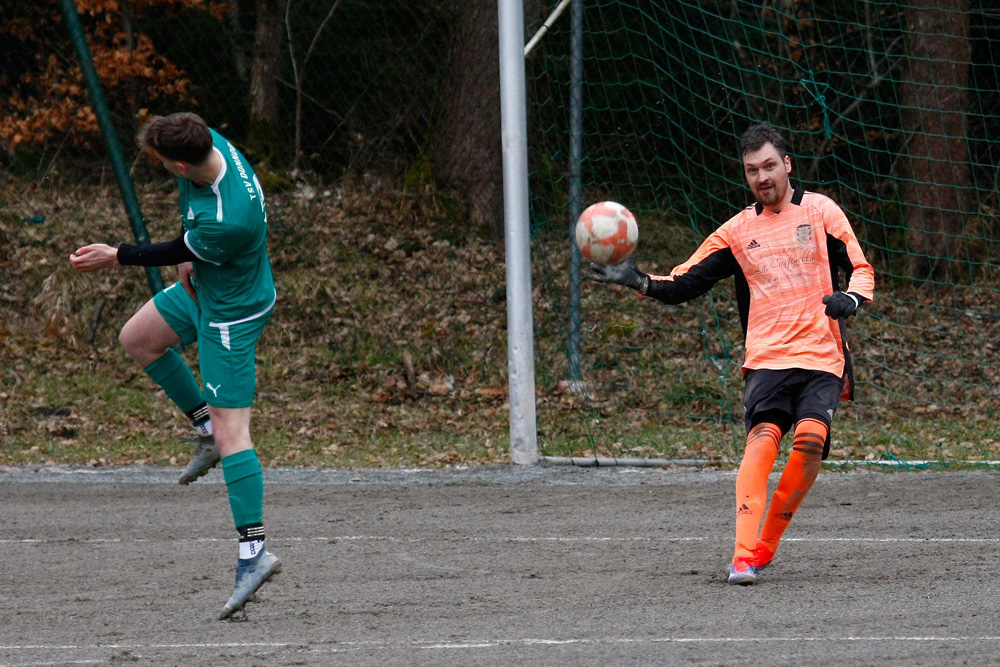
point(225, 349)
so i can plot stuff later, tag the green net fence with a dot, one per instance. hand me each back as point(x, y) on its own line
point(891, 109)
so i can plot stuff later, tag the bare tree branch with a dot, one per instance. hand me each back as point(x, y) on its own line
point(299, 71)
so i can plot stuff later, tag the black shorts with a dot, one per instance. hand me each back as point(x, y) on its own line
point(784, 397)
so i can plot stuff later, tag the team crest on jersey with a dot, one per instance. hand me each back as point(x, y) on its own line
point(190, 215)
point(803, 234)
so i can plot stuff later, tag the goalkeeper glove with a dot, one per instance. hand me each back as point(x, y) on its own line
point(624, 273)
point(841, 305)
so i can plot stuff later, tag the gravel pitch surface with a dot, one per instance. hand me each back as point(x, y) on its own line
point(499, 565)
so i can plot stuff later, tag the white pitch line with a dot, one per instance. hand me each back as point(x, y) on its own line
point(510, 538)
point(985, 540)
point(494, 643)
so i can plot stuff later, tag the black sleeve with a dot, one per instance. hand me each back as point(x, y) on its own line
point(697, 280)
point(168, 253)
point(840, 261)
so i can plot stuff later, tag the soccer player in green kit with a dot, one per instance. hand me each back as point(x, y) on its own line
point(222, 300)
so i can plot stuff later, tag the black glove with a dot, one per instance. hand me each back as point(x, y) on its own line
point(841, 305)
point(621, 274)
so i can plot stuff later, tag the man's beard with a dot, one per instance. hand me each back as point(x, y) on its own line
point(769, 196)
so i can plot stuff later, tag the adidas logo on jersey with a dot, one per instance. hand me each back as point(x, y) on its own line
point(753, 244)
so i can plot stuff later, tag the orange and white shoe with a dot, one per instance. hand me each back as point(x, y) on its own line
point(742, 572)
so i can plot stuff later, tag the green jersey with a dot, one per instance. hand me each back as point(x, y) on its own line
point(225, 226)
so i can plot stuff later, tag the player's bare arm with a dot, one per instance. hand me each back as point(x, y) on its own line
point(93, 257)
point(185, 276)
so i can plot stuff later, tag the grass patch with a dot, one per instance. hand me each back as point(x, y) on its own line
point(388, 347)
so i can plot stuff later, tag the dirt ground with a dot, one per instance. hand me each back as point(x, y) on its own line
point(496, 565)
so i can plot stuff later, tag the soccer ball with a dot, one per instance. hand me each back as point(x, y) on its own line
point(606, 233)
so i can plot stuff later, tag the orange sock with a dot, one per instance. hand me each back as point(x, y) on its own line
point(751, 484)
point(798, 477)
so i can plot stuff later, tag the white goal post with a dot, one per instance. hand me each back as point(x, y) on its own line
point(520, 321)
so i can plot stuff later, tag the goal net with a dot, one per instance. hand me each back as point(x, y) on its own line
point(891, 109)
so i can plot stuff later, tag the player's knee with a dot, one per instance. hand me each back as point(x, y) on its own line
point(129, 341)
point(134, 343)
point(125, 339)
point(755, 458)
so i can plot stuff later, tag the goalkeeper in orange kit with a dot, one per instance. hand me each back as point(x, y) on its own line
point(786, 253)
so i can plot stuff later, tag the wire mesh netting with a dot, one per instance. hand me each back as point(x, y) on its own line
point(891, 110)
point(352, 80)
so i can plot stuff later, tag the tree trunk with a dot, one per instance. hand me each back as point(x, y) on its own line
point(936, 158)
point(264, 137)
point(239, 54)
point(128, 27)
point(466, 141)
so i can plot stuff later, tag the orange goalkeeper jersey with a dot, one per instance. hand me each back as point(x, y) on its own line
point(784, 264)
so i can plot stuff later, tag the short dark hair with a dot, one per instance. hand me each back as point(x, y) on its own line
point(183, 137)
point(758, 135)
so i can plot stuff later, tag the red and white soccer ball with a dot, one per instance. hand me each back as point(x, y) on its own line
point(606, 233)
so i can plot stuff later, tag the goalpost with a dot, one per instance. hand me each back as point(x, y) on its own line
point(520, 334)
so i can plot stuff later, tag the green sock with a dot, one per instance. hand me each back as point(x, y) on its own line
point(176, 379)
point(245, 482)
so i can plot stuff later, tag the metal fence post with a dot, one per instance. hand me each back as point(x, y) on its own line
point(110, 136)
